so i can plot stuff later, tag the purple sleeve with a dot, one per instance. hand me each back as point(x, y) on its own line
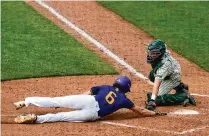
point(128, 104)
point(94, 90)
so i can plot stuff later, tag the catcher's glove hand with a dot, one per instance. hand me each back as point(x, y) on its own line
point(151, 105)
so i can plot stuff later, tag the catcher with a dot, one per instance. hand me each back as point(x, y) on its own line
point(166, 75)
point(90, 106)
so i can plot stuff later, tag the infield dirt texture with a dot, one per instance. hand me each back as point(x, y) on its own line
point(127, 42)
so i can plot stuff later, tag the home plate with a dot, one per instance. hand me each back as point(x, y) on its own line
point(184, 112)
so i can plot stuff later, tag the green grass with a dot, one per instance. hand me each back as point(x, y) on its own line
point(33, 46)
point(184, 26)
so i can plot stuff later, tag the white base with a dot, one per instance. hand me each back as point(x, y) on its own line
point(184, 112)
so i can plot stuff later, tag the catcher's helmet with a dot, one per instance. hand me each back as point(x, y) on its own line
point(123, 83)
point(155, 50)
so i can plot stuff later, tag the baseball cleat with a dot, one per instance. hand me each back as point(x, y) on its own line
point(19, 105)
point(186, 102)
point(25, 119)
point(189, 100)
point(192, 100)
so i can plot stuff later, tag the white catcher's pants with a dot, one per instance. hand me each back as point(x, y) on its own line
point(86, 105)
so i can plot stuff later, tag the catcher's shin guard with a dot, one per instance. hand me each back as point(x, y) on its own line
point(168, 99)
point(183, 88)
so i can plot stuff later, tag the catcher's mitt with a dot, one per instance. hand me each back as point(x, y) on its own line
point(151, 105)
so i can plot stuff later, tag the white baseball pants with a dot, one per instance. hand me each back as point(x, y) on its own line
point(86, 108)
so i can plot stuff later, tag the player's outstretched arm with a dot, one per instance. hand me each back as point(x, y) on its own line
point(143, 111)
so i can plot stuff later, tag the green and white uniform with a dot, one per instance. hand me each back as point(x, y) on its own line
point(169, 72)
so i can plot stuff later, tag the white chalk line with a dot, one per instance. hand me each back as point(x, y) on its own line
point(138, 127)
point(99, 45)
point(95, 42)
point(8, 115)
point(194, 129)
point(202, 95)
point(118, 124)
point(155, 130)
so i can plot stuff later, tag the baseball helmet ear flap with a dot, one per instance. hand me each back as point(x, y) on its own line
point(123, 83)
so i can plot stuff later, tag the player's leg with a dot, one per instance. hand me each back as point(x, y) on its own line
point(164, 98)
point(171, 99)
point(73, 101)
point(73, 116)
point(183, 88)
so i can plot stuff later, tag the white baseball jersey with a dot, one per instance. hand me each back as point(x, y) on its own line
point(169, 73)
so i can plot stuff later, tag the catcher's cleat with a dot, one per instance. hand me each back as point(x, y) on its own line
point(19, 105)
point(186, 102)
point(25, 119)
point(192, 100)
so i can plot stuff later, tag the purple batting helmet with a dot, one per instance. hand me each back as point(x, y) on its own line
point(123, 83)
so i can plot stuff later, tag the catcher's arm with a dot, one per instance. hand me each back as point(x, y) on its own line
point(155, 88)
point(143, 111)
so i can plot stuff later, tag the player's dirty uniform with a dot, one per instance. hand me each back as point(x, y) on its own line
point(103, 101)
point(168, 70)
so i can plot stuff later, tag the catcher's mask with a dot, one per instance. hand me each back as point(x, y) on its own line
point(123, 83)
point(155, 50)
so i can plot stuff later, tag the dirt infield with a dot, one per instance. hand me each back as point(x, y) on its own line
point(128, 42)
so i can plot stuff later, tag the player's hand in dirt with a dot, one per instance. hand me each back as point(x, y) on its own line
point(157, 112)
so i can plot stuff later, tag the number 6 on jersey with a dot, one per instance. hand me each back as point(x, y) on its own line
point(110, 97)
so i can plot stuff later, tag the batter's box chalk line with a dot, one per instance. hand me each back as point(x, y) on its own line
point(156, 130)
